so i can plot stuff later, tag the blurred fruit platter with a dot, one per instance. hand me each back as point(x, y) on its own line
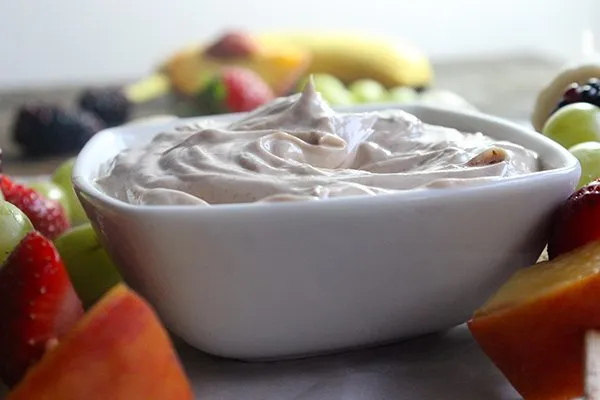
point(237, 72)
point(70, 325)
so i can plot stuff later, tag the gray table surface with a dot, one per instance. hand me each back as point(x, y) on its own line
point(447, 365)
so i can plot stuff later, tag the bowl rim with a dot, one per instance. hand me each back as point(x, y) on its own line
point(82, 176)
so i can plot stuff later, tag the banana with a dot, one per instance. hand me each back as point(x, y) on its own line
point(283, 58)
point(550, 95)
point(350, 56)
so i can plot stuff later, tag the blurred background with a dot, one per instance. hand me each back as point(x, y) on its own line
point(492, 55)
point(70, 41)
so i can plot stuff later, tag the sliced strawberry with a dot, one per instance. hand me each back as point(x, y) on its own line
point(37, 305)
point(47, 216)
point(235, 89)
point(577, 221)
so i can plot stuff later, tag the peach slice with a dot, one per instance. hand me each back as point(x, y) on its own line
point(534, 327)
point(119, 350)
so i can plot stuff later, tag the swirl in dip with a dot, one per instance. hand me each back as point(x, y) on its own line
point(298, 148)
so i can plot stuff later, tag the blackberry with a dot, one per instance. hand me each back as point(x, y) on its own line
point(594, 82)
point(588, 92)
point(109, 104)
point(42, 129)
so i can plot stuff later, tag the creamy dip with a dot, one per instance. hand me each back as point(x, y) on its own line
point(298, 148)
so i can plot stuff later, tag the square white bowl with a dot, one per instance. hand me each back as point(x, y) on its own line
point(270, 281)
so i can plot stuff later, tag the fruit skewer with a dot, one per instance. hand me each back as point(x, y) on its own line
point(50, 347)
point(541, 327)
point(557, 93)
point(567, 110)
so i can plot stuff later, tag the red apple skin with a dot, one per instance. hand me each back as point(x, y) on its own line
point(539, 345)
point(118, 351)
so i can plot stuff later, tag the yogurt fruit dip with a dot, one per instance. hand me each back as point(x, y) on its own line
point(298, 148)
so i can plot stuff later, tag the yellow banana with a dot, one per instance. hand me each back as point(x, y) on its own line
point(351, 56)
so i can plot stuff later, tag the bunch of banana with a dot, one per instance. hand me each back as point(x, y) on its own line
point(281, 59)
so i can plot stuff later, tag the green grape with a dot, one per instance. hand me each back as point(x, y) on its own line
point(573, 124)
point(51, 191)
point(332, 90)
point(403, 94)
point(62, 177)
point(91, 270)
point(322, 80)
point(368, 91)
point(14, 225)
point(588, 154)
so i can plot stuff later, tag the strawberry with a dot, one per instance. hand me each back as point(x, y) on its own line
point(232, 45)
point(38, 305)
point(577, 222)
point(235, 89)
point(47, 216)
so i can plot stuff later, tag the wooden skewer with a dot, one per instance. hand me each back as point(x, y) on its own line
point(592, 365)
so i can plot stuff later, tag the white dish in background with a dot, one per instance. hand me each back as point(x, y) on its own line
point(302, 278)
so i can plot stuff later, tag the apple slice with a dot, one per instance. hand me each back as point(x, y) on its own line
point(534, 327)
point(118, 350)
point(90, 268)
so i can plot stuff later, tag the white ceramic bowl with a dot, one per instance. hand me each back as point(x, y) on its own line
point(301, 278)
